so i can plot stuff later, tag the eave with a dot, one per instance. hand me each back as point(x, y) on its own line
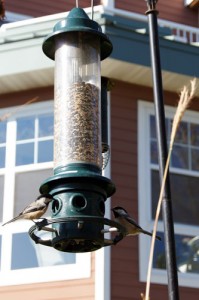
point(24, 66)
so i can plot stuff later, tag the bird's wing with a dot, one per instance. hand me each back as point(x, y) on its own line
point(130, 220)
point(33, 207)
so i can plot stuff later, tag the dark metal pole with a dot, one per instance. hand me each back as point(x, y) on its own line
point(162, 150)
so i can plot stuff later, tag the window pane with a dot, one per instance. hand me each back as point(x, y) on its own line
point(179, 157)
point(187, 254)
point(27, 186)
point(153, 127)
point(25, 154)
point(0, 251)
point(1, 196)
point(195, 159)
point(23, 252)
point(194, 134)
point(27, 254)
point(48, 256)
point(25, 128)
point(2, 157)
point(154, 153)
point(184, 195)
point(46, 124)
point(3, 126)
point(159, 261)
point(182, 133)
point(45, 151)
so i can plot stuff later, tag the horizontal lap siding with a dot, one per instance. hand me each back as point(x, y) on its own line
point(34, 7)
point(80, 289)
point(124, 264)
point(125, 283)
point(20, 98)
point(174, 11)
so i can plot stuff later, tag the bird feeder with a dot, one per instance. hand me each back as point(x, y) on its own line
point(77, 45)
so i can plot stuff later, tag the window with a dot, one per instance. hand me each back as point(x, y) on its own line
point(184, 178)
point(26, 155)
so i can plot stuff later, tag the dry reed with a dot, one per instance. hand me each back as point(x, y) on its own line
point(14, 111)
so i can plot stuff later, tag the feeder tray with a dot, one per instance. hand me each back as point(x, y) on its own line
point(76, 245)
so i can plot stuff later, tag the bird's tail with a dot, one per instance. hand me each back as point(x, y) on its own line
point(14, 219)
point(149, 233)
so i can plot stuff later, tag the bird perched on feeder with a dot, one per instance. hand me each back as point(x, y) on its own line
point(35, 210)
point(131, 227)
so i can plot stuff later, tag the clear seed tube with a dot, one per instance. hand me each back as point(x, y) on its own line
point(77, 128)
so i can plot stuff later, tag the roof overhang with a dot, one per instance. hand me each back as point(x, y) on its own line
point(24, 65)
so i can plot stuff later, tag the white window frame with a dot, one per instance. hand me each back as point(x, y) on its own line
point(145, 109)
point(78, 270)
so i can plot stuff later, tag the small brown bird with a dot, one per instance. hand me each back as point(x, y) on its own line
point(35, 210)
point(132, 228)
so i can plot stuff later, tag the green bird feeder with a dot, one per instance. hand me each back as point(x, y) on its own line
point(77, 45)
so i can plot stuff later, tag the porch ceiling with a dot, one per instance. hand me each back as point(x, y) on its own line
point(112, 68)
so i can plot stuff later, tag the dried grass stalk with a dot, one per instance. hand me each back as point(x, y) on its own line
point(186, 96)
point(143, 297)
point(7, 115)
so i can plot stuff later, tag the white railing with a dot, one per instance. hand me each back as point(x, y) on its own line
point(181, 33)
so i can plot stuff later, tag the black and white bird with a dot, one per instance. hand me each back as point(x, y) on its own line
point(124, 219)
point(35, 210)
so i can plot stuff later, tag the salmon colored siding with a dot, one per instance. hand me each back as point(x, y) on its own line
point(36, 9)
point(125, 283)
point(82, 289)
point(13, 99)
point(170, 10)
point(174, 11)
point(124, 264)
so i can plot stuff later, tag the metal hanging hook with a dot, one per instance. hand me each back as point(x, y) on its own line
point(151, 4)
point(92, 6)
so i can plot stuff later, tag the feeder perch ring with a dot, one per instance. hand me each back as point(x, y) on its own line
point(42, 226)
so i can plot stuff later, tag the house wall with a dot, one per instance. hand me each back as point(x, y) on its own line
point(35, 9)
point(72, 289)
point(19, 98)
point(125, 260)
point(174, 11)
point(170, 10)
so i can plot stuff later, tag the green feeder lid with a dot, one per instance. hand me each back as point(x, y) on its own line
point(76, 21)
